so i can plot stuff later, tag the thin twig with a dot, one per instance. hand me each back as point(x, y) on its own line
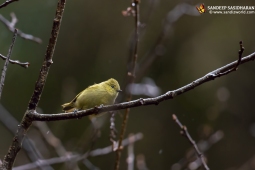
point(7, 2)
point(11, 27)
point(93, 153)
point(204, 146)
point(142, 30)
point(51, 138)
point(113, 132)
point(94, 139)
point(26, 121)
point(131, 74)
point(89, 165)
point(25, 65)
point(131, 155)
point(248, 165)
point(185, 132)
point(140, 162)
point(7, 62)
point(140, 102)
point(240, 53)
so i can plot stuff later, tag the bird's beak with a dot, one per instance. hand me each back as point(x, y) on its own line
point(119, 90)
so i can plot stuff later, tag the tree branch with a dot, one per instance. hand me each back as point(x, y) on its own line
point(25, 65)
point(184, 131)
point(240, 53)
point(51, 139)
point(11, 27)
point(141, 102)
point(204, 145)
point(7, 62)
point(93, 153)
point(7, 2)
point(26, 121)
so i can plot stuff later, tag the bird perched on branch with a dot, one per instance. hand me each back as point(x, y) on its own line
point(103, 93)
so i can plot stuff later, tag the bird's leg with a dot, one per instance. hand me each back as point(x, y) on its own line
point(97, 108)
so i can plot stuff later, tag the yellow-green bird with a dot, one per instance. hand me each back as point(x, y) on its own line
point(103, 93)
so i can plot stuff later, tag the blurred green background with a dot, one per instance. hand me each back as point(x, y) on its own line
point(93, 45)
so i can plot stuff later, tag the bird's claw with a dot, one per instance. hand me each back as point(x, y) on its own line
point(75, 111)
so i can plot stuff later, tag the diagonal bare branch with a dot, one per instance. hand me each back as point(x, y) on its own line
point(185, 132)
point(11, 27)
point(7, 2)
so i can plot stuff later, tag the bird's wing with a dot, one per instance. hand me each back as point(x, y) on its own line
point(90, 87)
point(73, 101)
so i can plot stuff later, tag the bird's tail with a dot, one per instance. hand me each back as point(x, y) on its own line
point(68, 107)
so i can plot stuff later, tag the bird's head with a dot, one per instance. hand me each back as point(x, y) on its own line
point(113, 85)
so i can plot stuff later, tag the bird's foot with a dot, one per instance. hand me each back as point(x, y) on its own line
point(75, 111)
point(97, 108)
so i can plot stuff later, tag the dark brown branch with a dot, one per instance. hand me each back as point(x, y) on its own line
point(140, 102)
point(184, 131)
point(11, 27)
point(7, 62)
point(72, 157)
point(25, 65)
point(131, 75)
point(7, 2)
point(26, 121)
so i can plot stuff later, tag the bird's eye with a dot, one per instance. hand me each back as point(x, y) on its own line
point(112, 86)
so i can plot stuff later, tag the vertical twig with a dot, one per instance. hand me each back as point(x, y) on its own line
point(7, 62)
point(113, 132)
point(27, 121)
point(131, 155)
point(131, 74)
point(240, 53)
point(140, 162)
point(185, 132)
